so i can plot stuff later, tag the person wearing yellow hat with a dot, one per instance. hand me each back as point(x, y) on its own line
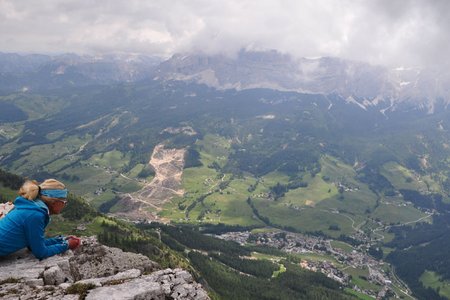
point(24, 226)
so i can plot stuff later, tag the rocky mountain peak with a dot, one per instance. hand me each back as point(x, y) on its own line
point(93, 271)
point(366, 84)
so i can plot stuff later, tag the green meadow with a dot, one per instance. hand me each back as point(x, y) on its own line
point(341, 245)
point(434, 281)
point(317, 191)
point(304, 219)
point(37, 157)
point(113, 159)
point(393, 211)
point(359, 278)
point(403, 178)
point(321, 206)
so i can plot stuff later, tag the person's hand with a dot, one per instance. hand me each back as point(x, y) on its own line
point(73, 242)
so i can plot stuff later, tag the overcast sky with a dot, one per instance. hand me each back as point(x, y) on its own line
point(392, 32)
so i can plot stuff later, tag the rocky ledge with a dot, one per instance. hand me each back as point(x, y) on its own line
point(93, 271)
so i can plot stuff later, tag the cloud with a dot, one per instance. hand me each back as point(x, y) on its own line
point(401, 32)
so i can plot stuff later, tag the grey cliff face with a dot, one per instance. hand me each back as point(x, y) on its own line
point(366, 84)
point(93, 271)
point(359, 83)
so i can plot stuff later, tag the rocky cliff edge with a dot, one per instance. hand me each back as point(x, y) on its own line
point(93, 271)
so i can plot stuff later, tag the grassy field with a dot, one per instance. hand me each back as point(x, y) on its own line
point(358, 295)
point(91, 178)
point(133, 173)
point(125, 185)
point(434, 281)
point(262, 230)
point(393, 212)
point(198, 181)
point(318, 258)
point(316, 191)
point(304, 219)
point(112, 159)
point(226, 205)
point(66, 227)
point(359, 278)
point(60, 164)
point(232, 211)
point(172, 211)
point(359, 203)
point(231, 203)
point(336, 170)
point(341, 245)
point(401, 177)
point(272, 258)
point(322, 192)
point(35, 157)
point(281, 270)
point(97, 200)
point(309, 209)
point(272, 179)
point(214, 145)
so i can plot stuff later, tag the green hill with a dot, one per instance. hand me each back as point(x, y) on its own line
point(182, 247)
point(256, 158)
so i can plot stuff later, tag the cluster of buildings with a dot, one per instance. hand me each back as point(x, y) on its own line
point(303, 244)
point(345, 187)
point(328, 269)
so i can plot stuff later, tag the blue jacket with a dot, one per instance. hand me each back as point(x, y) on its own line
point(24, 226)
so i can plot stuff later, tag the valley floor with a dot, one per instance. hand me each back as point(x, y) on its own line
point(350, 266)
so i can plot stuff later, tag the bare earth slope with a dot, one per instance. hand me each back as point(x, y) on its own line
point(168, 165)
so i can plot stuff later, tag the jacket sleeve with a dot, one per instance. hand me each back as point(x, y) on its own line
point(54, 240)
point(34, 232)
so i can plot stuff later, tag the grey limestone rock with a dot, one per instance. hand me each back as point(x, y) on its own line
point(24, 265)
point(163, 284)
point(107, 273)
point(54, 276)
point(34, 282)
point(134, 289)
point(94, 260)
point(122, 276)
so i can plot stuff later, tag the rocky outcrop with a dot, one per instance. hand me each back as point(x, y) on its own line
point(93, 271)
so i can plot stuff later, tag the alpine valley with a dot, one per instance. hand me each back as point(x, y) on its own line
point(316, 167)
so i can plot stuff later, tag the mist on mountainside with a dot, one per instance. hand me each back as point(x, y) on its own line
point(279, 150)
point(331, 148)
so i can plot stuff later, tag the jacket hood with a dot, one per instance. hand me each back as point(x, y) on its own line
point(38, 205)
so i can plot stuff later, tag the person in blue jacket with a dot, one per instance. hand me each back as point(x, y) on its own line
point(24, 226)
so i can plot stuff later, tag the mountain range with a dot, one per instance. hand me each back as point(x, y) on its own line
point(38, 71)
point(345, 151)
point(362, 84)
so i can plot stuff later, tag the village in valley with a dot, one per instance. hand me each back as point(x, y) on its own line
point(334, 260)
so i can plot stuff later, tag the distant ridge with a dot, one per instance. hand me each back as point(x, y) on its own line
point(358, 83)
point(361, 83)
point(36, 71)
